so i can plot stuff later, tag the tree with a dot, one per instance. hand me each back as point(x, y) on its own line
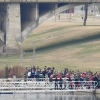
point(86, 14)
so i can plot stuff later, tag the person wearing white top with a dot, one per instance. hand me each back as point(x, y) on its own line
point(29, 74)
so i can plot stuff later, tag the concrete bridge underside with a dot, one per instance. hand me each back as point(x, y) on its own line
point(18, 18)
point(50, 1)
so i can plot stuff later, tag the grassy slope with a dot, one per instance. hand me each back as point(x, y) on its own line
point(61, 44)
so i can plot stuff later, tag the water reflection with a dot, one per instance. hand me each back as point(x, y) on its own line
point(48, 96)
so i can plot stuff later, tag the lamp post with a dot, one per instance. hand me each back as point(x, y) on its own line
point(34, 50)
point(33, 57)
point(94, 12)
point(21, 52)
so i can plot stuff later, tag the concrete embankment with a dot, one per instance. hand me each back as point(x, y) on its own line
point(78, 92)
point(97, 91)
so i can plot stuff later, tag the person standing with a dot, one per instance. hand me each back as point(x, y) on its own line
point(60, 83)
point(50, 82)
point(29, 74)
point(64, 82)
point(56, 83)
point(76, 82)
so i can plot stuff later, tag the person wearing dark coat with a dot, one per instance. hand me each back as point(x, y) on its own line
point(56, 83)
point(76, 82)
point(60, 83)
point(96, 81)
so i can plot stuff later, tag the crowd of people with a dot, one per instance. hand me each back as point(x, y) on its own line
point(62, 76)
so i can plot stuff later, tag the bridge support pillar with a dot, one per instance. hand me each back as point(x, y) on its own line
point(13, 26)
point(35, 9)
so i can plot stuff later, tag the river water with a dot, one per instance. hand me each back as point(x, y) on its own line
point(48, 96)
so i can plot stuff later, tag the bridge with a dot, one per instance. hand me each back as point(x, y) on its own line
point(18, 18)
point(43, 85)
point(51, 1)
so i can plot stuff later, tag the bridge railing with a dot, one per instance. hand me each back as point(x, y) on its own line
point(26, 79)
point(22, 79)
point(43, 85)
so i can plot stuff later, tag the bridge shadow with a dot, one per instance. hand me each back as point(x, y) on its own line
point(68, 43)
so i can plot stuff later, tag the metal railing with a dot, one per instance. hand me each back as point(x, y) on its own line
point(46, 85)
point(22, 79)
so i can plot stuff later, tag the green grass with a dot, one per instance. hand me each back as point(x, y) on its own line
point(48, 31)
point(61, 45)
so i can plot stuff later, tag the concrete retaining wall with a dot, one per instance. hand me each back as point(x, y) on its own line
point(97, 91)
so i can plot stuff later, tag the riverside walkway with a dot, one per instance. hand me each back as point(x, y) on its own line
point(43, 85)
